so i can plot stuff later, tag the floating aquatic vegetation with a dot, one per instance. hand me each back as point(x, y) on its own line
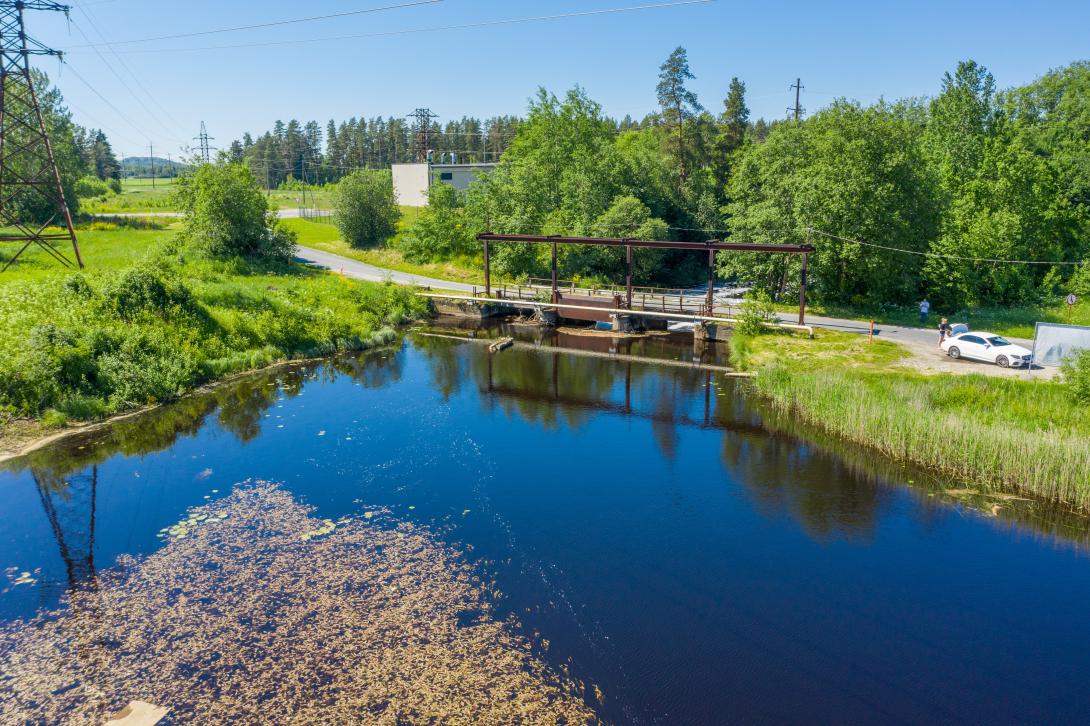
point(241, 621)
point(327, 526)
point(17, 577)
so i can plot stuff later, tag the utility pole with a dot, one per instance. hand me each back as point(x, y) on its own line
point(423, 118)
point(151, 160)
point(170, 166)
point(203, 138)
point(797, 109)
point(28, 170)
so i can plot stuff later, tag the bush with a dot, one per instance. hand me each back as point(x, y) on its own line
point(92, 186)
point(146, 368)
point(367, 212)
point(757, 312)
point(1076, 374)
point(140, 290)
point(440, 231)
point(227, 215)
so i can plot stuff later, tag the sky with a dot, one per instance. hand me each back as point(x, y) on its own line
point(158, 91)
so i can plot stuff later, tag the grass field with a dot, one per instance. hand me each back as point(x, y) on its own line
point(147, 321)
point(1001, 434)
point(141, 195)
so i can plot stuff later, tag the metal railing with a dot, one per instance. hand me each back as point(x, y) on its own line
point(679, 301)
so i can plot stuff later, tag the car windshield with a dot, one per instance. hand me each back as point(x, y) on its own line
point(998, 342)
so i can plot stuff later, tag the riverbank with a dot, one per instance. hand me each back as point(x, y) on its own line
point(146, 323)
point(1004, 435)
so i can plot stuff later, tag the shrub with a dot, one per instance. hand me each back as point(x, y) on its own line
point(77, 285)
point(440, 231)
point(92, 186)
point(227, 215)
point(140, 289)
point(757, 311)
point(367, 212)
point(1080, 281)
point(146, 368)
point(1076, 374)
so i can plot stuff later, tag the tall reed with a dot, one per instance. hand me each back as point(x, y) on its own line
point(1012, 436)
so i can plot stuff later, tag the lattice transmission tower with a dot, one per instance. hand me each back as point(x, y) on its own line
point(204, 138)
point(422, 128)
point(31, 195)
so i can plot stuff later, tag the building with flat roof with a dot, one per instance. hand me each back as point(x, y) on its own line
point(412, 181)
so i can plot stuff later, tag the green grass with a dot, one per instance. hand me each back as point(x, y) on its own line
point(137, 195)
point(147, 321)
point(1016, 322)
point(1001, 434)
point(321, 199)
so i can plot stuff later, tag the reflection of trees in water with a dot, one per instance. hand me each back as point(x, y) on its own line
point(784, 476)
point(239, 406)
point(857, 465)
point(554, 388)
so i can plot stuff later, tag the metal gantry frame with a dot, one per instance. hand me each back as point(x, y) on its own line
point(28, 168)
point(712, 247)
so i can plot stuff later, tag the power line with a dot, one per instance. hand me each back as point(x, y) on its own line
point(435, 29)
point(173, 126)
point(122, 81)
point(273, 24)
point(107, 101)
point(937, 254)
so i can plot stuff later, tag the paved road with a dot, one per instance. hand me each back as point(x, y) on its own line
point(363, 271)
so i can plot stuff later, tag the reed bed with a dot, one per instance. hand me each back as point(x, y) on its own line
point(1010, 436)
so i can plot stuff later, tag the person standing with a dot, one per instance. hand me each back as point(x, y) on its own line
point(925, 308)
point(944, 331)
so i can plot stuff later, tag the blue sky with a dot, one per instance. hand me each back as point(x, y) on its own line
point(860, 50)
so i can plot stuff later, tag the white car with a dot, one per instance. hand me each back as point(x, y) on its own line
point(987, 347)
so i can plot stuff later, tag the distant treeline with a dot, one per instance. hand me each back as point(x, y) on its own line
point(145, 167)
point(304, 152)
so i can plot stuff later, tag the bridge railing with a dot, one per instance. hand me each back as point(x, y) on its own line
point(676, 301)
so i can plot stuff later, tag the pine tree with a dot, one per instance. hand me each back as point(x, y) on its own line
point(678, 102)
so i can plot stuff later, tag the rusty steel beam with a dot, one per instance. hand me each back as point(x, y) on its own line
point(715, 245)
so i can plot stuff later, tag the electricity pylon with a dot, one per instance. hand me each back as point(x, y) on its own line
point(30, 184)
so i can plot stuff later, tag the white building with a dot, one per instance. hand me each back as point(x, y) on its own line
point(412, 181)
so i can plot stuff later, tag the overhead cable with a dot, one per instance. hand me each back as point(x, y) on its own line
point(272, 24)
point(434, 29)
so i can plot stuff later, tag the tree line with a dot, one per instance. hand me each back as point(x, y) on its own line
point(304, 152)
point(973, 197)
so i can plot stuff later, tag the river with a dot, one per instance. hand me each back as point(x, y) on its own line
point(649, 533)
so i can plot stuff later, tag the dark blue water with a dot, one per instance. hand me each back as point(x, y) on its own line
point(696, 557)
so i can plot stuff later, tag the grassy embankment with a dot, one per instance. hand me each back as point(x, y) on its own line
point(998, 434)
point(146, 322)
point(326, 237)
point(1015, 322)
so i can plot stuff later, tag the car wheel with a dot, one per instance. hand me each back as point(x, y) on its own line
point(1002, 361)
point(954, 353)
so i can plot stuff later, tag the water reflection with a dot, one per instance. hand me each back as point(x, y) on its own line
point(553, 380)
point(832, 488)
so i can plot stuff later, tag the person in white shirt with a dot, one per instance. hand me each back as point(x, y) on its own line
point(925, 308)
